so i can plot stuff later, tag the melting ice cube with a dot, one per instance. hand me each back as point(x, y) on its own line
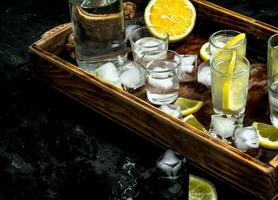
point(169, 164)
point(131, 75)
point(204, 74)
point(172, 109)
point(108, 72)
point(222, 126)
point(246, 138)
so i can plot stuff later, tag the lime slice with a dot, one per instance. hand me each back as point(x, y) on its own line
point(268, 135)
point(188, 106)
point(177, 17)
point(201, 189)
point(227, 102)
point(204, 52)
point(191, 119)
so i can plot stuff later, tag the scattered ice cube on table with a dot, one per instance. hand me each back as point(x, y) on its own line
point(188, 59)
point(108, 72)
point(204, 74)
point(172, 109)
point(222, 126)
point(169, 164)
point(246, 138)
point(131, 76)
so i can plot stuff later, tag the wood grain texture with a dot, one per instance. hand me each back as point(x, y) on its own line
point(248, 173)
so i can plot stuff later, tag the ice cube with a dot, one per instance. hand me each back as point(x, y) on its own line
point(246, 138)
point(108, 72)
point(149, 42)
point(187, 68)
point(172, 109)
point(204, 74)
point(131, 76)
point(222, 126)
point(188, 59)
point(215, 47)
point(129, 29)
point(169, 164)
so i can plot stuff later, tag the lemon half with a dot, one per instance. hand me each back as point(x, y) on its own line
point(177, 17)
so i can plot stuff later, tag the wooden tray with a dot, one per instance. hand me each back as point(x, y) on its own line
point(257, 175)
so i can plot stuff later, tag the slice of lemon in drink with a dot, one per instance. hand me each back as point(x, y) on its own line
point(191, 119)
point(177, 17)
point(229, 97)
point(268, 135)
point(204, 52)
point(234, 42)
point(188, 106)
point(201, 189)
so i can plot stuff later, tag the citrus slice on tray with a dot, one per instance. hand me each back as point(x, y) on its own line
point(188, 106)
point(268, 135)
point(191, 119)
point(176, 17)
point(204, 52)
point(201, 189)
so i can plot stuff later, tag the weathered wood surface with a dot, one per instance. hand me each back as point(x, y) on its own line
point(256, 175)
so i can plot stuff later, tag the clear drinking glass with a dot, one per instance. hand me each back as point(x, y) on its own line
point(162, 77)
point(272, 55)
point(98, 30)
point(229, 88)
point(142, 41)
point(218, 40)
point(273, 98)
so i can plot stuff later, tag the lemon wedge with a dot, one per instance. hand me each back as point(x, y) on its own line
point(191, 119)
point(188, 106)
point(204, 52)
point(177, 17)
point(201, 189)
point(268, 135)
point(227, 93)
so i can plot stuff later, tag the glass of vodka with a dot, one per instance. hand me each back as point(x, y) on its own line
point(162, 77)
point(142, 41)
point(98, 30)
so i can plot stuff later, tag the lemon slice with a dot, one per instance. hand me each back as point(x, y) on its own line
point(268, 135)
point(188, 106)
point(191, 119)
point(233, 43)
point(204, 52)
point(201, 189)
point(176, 17)
point(228, 94)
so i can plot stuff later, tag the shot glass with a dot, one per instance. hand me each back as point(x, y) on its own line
point(218, 40)
point(272, 55)
point(142, 41)
point(162, 77)
point(229, 85)
point(273, 98)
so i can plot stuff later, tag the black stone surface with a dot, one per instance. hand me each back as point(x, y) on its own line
point(53, 148)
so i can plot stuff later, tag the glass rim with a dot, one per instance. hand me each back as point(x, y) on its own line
point(176, 55)
point(165, 40)
point(233, 74)
point(270, 40)
point(225, 30)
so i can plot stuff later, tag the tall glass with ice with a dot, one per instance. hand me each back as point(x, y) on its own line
point(98, 29)
point(230, 75)
point(273, 98)
point(162, 76)
point(142, 41)
point(272, 55)
point(223, 40)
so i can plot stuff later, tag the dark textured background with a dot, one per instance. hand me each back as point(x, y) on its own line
point(54, 148)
